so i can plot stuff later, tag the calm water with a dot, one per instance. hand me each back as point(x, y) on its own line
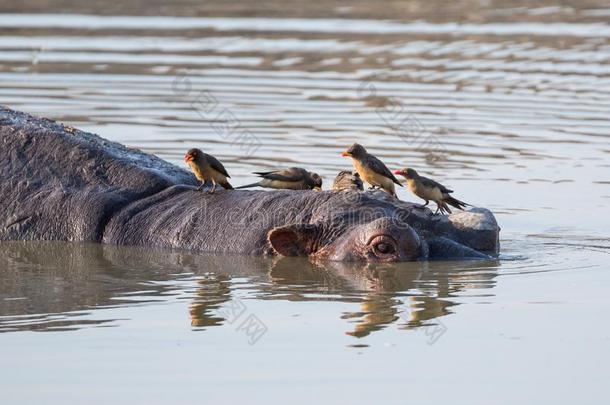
point(510, 107)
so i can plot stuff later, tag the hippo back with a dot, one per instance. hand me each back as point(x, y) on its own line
point(59, 183)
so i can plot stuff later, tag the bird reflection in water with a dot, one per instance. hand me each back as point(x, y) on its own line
point(211, 292)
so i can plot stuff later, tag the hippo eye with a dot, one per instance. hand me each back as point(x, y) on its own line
point(383, 245)
point(384, 248)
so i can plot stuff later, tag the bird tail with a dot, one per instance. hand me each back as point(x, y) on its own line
point(454, 202)
point(226, 185)
point(249, 185)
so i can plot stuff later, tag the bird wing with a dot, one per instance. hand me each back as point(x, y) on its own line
point(216, 165)
point(431, 183)
point(347, 179)
point(292, 174)
point(357, 181)
point(379, 167)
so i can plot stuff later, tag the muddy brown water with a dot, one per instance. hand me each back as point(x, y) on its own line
point(507, 103)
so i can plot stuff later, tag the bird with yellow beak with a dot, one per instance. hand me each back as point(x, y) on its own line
point(207, 168)
point(371, 169)
point(428, 189)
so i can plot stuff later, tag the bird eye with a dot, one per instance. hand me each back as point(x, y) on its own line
point(383, 245)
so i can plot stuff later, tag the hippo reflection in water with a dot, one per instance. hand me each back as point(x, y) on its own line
point(64, 184)
point(76, 278)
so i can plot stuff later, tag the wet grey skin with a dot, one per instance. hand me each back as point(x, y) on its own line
point(65, 184)
point(293, 178)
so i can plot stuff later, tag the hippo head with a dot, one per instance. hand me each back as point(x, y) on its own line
point(380, 240)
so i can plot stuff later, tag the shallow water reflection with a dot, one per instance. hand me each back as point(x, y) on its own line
point(57, 286)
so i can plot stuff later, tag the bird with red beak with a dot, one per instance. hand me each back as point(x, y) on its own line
point(207, 168)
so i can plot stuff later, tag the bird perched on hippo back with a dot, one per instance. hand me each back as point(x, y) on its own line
point(294, 178)
point(207, 168)
point(371, 169)
point(428, 189)
point(348, 180)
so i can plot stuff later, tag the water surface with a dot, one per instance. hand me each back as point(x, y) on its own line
point(506, 104)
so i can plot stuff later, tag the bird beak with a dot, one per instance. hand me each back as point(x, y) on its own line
point(346, 154)
point(188, 158)
point(397, 172)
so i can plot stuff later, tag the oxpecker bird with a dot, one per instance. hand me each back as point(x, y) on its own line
point(348, 180)
point(371, 169)
point(293, 178)
point(207, 168)
point(428, 189)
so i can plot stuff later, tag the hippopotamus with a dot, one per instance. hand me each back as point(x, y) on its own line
point(61, 183)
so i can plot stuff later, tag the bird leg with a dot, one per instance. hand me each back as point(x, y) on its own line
point(213, 187)
point(442, 207)
point(425, 205)
point(201, 186)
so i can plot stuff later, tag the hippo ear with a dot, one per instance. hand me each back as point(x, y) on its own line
point(294, 240)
